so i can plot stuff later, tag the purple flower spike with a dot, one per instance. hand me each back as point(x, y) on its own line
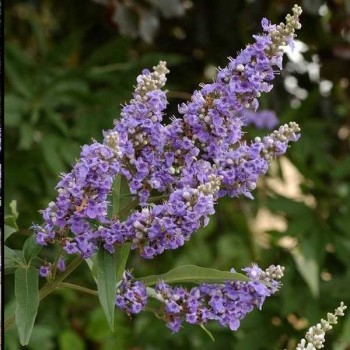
point(191, 162)
point(227, 303)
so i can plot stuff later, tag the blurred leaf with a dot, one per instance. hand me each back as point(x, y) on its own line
point(13, 207)
point(57, 120)
point(342, 248)
point(9, 231)
point(97, 328)
point(343, 341)
point(42, 338)
point(98, 331)
point(307, 266)
point(114, 51)
point(106, 283)
point(198, 251)
point(101, 72)
point(27, 299)
point(63, 90)
point(15, 107)
point(39, 35)
point(11, 219)
point(342, 223)
point(70, 340)
point(17, 64)
point(31, 248)
point(68, 48)
point(26, 136)
point(342, 169)
point(195, 274)
point(66, 84)
point(69, 151)
point(239, 255)
point(50, 146)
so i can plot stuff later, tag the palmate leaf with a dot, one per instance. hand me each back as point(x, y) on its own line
point(194, 274)
point(27, 301)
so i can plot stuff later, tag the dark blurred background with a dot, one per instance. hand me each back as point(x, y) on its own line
point(69, 65)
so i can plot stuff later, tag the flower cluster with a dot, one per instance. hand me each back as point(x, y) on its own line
point(46, 270)
point(315, 336)
point(191, 162)
point(82, 199)
point(131, 295)
point(226, 303)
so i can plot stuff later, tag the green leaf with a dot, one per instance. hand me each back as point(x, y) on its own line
point(122, 253)
point(13, 260)
point(91, 263)
point(50, 147)
point(106, 282)
point(26, 140)
point(195, 274)
point(8, 231)
point(15, 108)
point(344, 338)
point(42, 337)
point(114, 51)
point(14, 70)
point(27, 301)
point(11, 220)
point(58, 122)
point(309, 269)
point(13, 207)
point(97, 328)
point(127, 201)
point(70, 340)
point(122, 259)
point(31, 249)
point(116, 195)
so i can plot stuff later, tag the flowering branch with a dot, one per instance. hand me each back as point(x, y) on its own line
point(315, 336)
point(176, 173)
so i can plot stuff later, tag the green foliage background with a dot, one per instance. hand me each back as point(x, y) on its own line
point(68, 69)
